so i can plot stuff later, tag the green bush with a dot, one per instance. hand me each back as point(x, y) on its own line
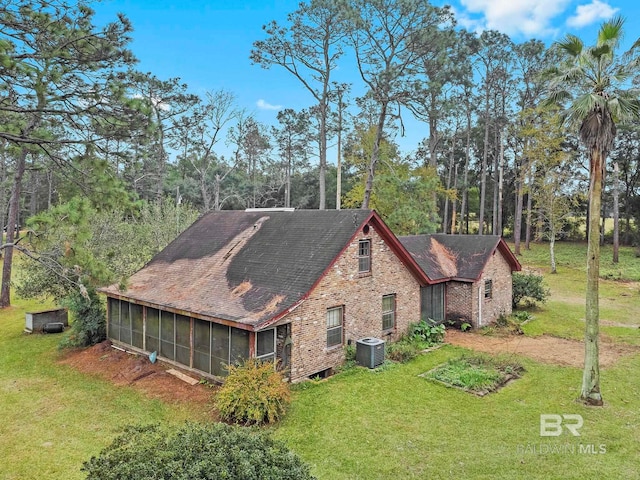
point(89, 319)
point(196, 452)
point(253, 393)
point(528, 289)
point(403, 350)
point(419, 336)
point(427, 332)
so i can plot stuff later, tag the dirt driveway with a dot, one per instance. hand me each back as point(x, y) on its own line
point(546, 349)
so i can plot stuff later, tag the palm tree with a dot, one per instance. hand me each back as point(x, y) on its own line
point(596, 84)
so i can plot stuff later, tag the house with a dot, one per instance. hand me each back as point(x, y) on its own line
point(296, 286)
point(470, 275)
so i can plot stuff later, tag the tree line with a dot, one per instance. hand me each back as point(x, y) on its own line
point(78, 119)
point(102, 157)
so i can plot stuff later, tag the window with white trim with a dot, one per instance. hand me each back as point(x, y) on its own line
point(266, 345)
point(488, 289)
point(388, 312)
point(334, 326)
point(364, 256)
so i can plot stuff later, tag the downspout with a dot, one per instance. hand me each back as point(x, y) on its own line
point(479, 306)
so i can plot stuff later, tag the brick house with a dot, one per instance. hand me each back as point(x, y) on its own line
point(296, 286)
point(471, 276)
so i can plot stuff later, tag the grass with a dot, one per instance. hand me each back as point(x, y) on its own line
point(53, 418)
point(384, 424)
point(563, 314)
point(573, 256)
point(393, 424)
point(479, 374)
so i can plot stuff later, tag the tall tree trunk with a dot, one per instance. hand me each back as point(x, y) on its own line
point(465, 177)
point(14, 211)
point(323, 154)
point(496, 174)
point(500, 186)
point(517, 219)
point(287, 183)
point(552, 249)
point(339, 166)
point(483, 173)
point(454, 205)
point(216, 193)
point(590, 391)
point(374, 156)
point(445, 216)
point(616, 212)
point(527, 235)
point(49, 188)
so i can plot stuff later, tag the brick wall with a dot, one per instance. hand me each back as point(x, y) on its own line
point(498, 271)
point(361, 296)
point(459, 302)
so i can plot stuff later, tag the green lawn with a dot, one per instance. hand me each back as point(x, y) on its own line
point(53, 418)
point(397, 425)
point(361, 424)
point(563, 314)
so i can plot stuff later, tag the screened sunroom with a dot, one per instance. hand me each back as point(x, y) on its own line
point(198, 344)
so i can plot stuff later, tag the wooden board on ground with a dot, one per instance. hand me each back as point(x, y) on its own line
point(183, 377)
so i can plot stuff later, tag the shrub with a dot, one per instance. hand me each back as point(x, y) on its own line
point(195, 452)
point(253, 393)
point(89, 324)
point(427, 331)
point(403, 350)
point(529, 289)
point(508, 324)
point(421, 335)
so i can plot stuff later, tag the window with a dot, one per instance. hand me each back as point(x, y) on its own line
point(432, 302)
point(388, 312)
point(334, 326)
point(266, 345)
point(488, 289)
point(364, 256)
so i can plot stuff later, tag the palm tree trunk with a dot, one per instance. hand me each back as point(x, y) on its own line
point(616, 212)
point(590, 391)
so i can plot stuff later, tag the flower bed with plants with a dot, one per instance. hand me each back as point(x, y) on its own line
point(477, 374)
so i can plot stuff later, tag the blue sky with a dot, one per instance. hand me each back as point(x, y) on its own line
point(207, 43)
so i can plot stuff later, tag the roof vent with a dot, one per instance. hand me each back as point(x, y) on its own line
point(370, 352)
point(274, 209)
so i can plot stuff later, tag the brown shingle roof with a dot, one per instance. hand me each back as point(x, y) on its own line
point(461, 257)
point(244, 267)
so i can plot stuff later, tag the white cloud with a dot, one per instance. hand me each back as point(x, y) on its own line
point(591, 13)
point(526, 17)
point(262, 105)
point(465, 21)
point(156, 102)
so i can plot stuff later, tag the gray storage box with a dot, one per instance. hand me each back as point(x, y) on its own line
point(35, 321)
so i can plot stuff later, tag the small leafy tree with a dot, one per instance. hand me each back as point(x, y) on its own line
point(89, 326)
point(528, 288)
point(76, 247)
point(253, 393)
point(196, 452)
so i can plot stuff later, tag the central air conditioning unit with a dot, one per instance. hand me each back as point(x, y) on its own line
point(370, 352)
